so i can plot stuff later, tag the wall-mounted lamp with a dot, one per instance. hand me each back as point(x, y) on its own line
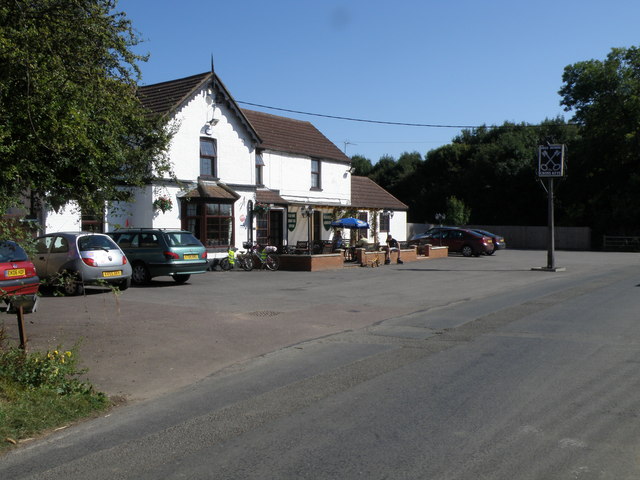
point(351, 170)
point(388, 213)
point(306, 211)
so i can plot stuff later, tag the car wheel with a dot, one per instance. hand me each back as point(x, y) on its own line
point(140, 274)
point(71, 284)
point(467, 251)
point(123, 285)
point(491, 252)
point(180, 279)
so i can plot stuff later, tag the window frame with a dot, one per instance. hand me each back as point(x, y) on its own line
point(385, 222)
point(316, 174)
point(198, 222)
point(211, 159)
point(259, 170)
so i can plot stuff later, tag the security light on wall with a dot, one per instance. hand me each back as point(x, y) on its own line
point(351, 170)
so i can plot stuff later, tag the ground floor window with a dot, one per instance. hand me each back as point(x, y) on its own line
point(210, 221)
point(385, 222)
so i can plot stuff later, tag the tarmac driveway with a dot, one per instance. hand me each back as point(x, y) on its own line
point(152, 340)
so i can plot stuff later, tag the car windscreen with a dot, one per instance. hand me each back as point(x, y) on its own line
point(12, 252)
point(96, 242)
point(182, 239)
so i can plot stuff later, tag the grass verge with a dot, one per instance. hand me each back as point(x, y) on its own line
point(40, 391)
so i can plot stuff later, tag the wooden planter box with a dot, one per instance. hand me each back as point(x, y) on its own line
point(311, 263)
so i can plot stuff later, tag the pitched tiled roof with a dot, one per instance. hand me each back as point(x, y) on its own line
point(264, 195)
point(163, 97)
point(287, 135)
point(365, 193)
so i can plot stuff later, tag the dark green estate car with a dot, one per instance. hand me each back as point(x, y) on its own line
point(156, 252)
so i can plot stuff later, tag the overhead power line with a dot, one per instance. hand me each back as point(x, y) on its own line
point(383, 122)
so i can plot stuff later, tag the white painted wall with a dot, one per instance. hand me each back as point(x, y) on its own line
point(236, 160)
point(67, 219)
point(291, 175)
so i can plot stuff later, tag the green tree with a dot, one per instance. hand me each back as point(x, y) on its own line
point(604, 173)
point(457, 213)
point(492, 170)
point(71, 126)
point(361, 165)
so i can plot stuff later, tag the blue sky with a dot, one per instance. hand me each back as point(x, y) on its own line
point(436, 62)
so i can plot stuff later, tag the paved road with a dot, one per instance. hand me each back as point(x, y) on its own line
point(152, 340)
point(456, 368)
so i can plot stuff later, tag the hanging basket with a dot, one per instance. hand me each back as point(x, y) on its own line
point(261, 208)
point(164, 204)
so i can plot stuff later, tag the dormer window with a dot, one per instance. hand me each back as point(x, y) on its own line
point(208, 157)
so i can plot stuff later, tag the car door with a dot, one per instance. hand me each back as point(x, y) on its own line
point(59, 255)
point(455, 240)
point(43, 245)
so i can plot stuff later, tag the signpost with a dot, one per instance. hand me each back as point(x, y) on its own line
point(550, 166)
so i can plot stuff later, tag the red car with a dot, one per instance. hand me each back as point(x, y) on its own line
point(17, 273)
point(459, 240)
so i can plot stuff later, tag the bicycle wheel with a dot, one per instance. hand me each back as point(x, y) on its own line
point(224, 264)
point(246, 263)
point(272, 262)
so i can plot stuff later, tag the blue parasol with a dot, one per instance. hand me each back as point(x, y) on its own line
point(350, 222)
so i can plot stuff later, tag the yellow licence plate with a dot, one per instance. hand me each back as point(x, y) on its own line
point(191, 257)
point(115, 273)
point(16, 272)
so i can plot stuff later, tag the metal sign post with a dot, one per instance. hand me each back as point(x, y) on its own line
point(550, 166)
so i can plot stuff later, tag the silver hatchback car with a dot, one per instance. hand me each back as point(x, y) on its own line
point(71, 260)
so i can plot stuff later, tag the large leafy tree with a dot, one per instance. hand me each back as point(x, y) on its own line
point(604, 175)
point(492, 171)
point(71, 126)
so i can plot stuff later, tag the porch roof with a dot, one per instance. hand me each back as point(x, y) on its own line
point(264, 195)
point(212, 190)
point(365, 193)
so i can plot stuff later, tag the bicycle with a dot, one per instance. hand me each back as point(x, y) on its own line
point(263, 256)
point(236, 260)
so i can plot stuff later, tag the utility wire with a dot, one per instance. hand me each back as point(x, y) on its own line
point(381, 122)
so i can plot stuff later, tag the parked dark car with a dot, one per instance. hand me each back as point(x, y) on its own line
point(460, 240)
point(71, 260)
point(498, 240)
point(156, 252)
point(17, 274)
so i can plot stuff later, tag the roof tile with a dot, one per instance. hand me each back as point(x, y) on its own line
point(288, 135)
point(365, 193)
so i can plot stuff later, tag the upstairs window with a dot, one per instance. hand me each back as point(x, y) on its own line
point(208, 157)
point(259, 169)
point(315, 174)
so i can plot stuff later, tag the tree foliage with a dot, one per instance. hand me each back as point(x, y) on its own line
point(604, 180)
point(71, 126)
point(490, 172)
point(457, 212)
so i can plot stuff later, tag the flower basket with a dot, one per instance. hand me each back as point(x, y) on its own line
point(261, 208)
point(164, 204)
